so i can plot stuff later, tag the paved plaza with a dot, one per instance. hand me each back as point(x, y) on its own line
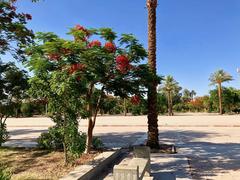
point(208, 145)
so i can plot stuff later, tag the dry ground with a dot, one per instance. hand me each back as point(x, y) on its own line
point(37, 164)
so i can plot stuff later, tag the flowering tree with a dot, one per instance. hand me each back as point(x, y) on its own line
point(72, 73)
point(14, 35)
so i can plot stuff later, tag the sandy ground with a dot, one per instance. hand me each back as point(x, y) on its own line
point(209, 143)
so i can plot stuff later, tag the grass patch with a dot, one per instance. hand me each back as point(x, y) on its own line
point(38, 164)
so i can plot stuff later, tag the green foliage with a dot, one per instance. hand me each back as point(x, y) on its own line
point(181, 107)
point(27, 109)
point(3, 133)
point(220, 76)
point(140, 109)
point(170, 85)
point(5, 174)
point(54, 138)
point(13, 83)
point(51, 140)
point(230, 99)
point(162, 103)
point(97, 143)
point(14, 33)
point(171, 88)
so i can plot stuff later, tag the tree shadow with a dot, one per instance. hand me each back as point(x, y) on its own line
point(120, 140)
point(16, 132)
point(205, 158)
point(197, 157)
point(22, 159)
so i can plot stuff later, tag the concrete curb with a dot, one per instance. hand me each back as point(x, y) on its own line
point(94, 168)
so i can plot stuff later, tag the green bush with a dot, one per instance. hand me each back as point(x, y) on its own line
point(136, 110)
point(4, 173)
point(78, 144)
point(53, 140)
point(97, 143)
point(26, 109)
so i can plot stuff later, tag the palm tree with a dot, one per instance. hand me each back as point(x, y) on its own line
point(152, 141)
point(186, 95)
point(170, 87)
point(218, 78)
point(192, 94)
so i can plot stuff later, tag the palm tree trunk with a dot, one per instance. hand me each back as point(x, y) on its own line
point(169, 103)
point(152, 141)
point(220, 98)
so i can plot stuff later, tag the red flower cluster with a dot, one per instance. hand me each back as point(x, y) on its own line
point(76, 67)
point(95, 43)
point(135, 100)
point(110, 47)
point(28, 16)
point(123, 64)
point(13, 1)
point(13, 8)
point(54, 56)
point(81, 28)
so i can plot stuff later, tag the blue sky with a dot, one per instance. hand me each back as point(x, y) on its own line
point(194, 37)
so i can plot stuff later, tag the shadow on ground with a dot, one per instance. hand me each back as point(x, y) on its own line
point(17, 132)
point(118, 140)
point(206, 158)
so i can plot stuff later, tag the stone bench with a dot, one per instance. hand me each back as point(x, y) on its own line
point(137, 168)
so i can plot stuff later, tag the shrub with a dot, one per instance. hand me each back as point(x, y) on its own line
point(97, 143)
point(4, 173)
point(53, 140)
point(136, 110)
point(26, 109)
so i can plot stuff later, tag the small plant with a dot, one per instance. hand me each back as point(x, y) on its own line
point(4, 173)
point(97, 143)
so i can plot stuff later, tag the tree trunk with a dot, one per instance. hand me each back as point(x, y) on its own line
point(65, 146)
point(89, 136)
point(125, 107)
point(220, 98)
point(170, 105)
point(46, 109)
point(1, 130)
point(90, 120)
point(152, 141)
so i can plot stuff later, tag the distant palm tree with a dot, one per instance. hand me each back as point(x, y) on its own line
point(152, 141)
point(218, 78)
point(186, 95)
point(192, 94)
point(170, 87)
